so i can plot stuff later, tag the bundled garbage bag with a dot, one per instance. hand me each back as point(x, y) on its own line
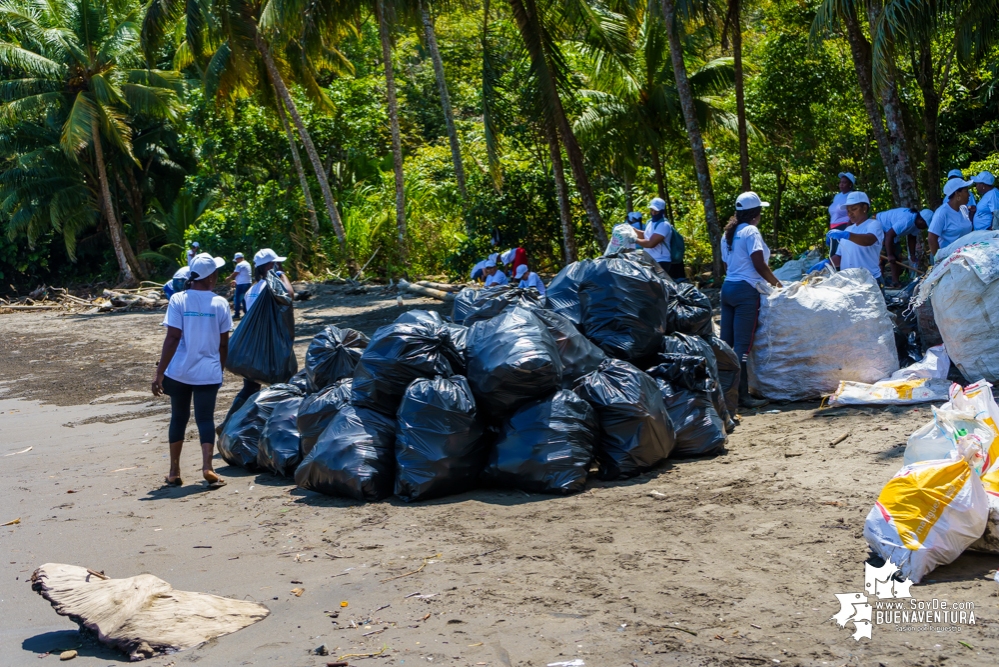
point(579, 356)
point(686, 390)
point(279, 449)
point(562, 293)
point(428, 316)
point(623, 237)
point(546, 446)
point(623, 305)
point(397, 355)
point(690, 311)
point(463, 304)
point(636, 431)
point(817, 333)
point(439, 446)
point(492, 301)
point(353, 458)
point(240, 438)
point(262, 349)
point(301, 380)
point(318, 410)
point(729, 372)
point(332, 355)
point(459, 336)
point(679, 343)
point(511, 359)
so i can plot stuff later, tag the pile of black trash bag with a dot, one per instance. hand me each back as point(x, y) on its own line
point(613, 372)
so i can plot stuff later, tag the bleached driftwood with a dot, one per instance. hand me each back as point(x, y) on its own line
point(141, 615)
point(425, 291)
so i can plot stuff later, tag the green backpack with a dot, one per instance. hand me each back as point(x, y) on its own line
point(677, 248)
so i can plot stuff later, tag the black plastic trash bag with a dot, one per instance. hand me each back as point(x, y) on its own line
point(511, 359)
point(413, 316)
point(579, 356)
point(354, 457)
point(301, 380)
point(636, 432)
point(333, 355)
point(690, 311)
point(279, 449)
point(729, 373)
point(680, 343)
point(546, 446)
point(623, 303)
point(562, 294)
point(397, 355)
point(459, 336)
point(318, 410)
point(492, 301)
point(685, 387)
point(439, 446)
point(463, 304)
point(240, 439)
point(262, 349)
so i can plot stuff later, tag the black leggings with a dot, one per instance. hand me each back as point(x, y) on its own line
point(180, 408)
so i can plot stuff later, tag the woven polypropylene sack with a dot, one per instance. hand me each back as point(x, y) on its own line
point(332, 355)
point(546, 446)
point(240, 438)
point(562, 294)
point(318, 410)
point(262, 349)
point(817, 333)
point(439, 446)
point(280, 448)
point(966, 311)
point(354, 457)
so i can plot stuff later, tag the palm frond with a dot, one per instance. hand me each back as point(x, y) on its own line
point(77, 129)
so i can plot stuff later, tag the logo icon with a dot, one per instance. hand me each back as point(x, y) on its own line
point(879, 582)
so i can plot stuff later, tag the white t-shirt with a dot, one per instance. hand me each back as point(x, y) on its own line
point(902, 220)
point(738, 260)
point(253, 293)
point(988, 204)
point(190, 256)
point(854, 256)
point(949, 225)
point(837, 210)
point(661, 252)
point(183, 273)
point(243, 272)
point(532, 280)
point(971, 198)
point(202, 318)
point(498, 278)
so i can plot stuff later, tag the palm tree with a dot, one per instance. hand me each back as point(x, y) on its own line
point(384, 35)
point(734, 20)
point(172, 223)
point(80, 60)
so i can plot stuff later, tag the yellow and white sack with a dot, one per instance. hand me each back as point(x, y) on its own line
point(930, 512)
point(891, 392)
point(978, 397)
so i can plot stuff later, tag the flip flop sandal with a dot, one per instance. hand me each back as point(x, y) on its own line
point(176, 481)
point(217, 484)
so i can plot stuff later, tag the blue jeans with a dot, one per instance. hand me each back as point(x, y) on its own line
point(740, 309)
point(237, 300)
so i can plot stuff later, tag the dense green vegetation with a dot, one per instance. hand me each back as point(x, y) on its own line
point(128, 130)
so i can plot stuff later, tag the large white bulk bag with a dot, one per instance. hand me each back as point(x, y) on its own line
point(814, 334)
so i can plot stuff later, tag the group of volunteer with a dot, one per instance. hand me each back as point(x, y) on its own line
point(194, 351)
point(489, 271)
point(660, 239)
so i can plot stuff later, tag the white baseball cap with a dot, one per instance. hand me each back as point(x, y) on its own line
point(955, 184)
point(857, 197)
point(955, 173)
point(521, 270)
point(494, 257)
point(848, 175)
point(266, 256)
point(237, 256)
point(927, 215)
point(204, 265)
point(195, 244)
point(749, 200)
point(985, 178)
point(491, 264)
point(657, 204)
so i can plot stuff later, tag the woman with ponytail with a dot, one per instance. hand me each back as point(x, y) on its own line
point(745, 256)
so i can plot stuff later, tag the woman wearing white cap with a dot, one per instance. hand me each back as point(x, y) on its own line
point(529, 278)
point(494, 275)
point(860, 242)
point(949, 222)
point(240, 277)
point(745, 255)
point(972, 204)
point(190, 368)
point(988, 202)
point(657, 234)
point(898, 223)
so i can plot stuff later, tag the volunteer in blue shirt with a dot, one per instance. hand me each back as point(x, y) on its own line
point(494, 276)
point(859, 242)
point(898, 223)
point(746, 257)
point(949, 222)
point(529, 278)
point(190, 368)
point(656, 236)
point(240, 277)
point(178, 283)
point(972, 204)
point(988, 200)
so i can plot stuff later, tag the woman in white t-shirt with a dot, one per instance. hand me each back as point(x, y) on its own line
point(190, 368)
point(745, 255)
point(860, 241)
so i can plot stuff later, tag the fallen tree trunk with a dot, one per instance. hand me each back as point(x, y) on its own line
point(444, 287)
point(425, 291)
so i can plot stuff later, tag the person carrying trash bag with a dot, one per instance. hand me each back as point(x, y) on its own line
point(745, 255)
point(263, 263)
point(190, 367)
point(657, 235)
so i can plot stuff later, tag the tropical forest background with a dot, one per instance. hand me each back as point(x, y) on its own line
point(411, 135)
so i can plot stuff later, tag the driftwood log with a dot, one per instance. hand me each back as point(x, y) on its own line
point(444, 287)
point(425, 291)
point(141, 615)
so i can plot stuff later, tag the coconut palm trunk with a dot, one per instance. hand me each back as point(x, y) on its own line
point(662, 185)
point(118, 240)
point(923, 67)
point(694, 135)
point(452, 133)
point(525, 13)
point(310, 148)
point(562, 193)
point(297, 159)
point(735, 15)
point(393, 109)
